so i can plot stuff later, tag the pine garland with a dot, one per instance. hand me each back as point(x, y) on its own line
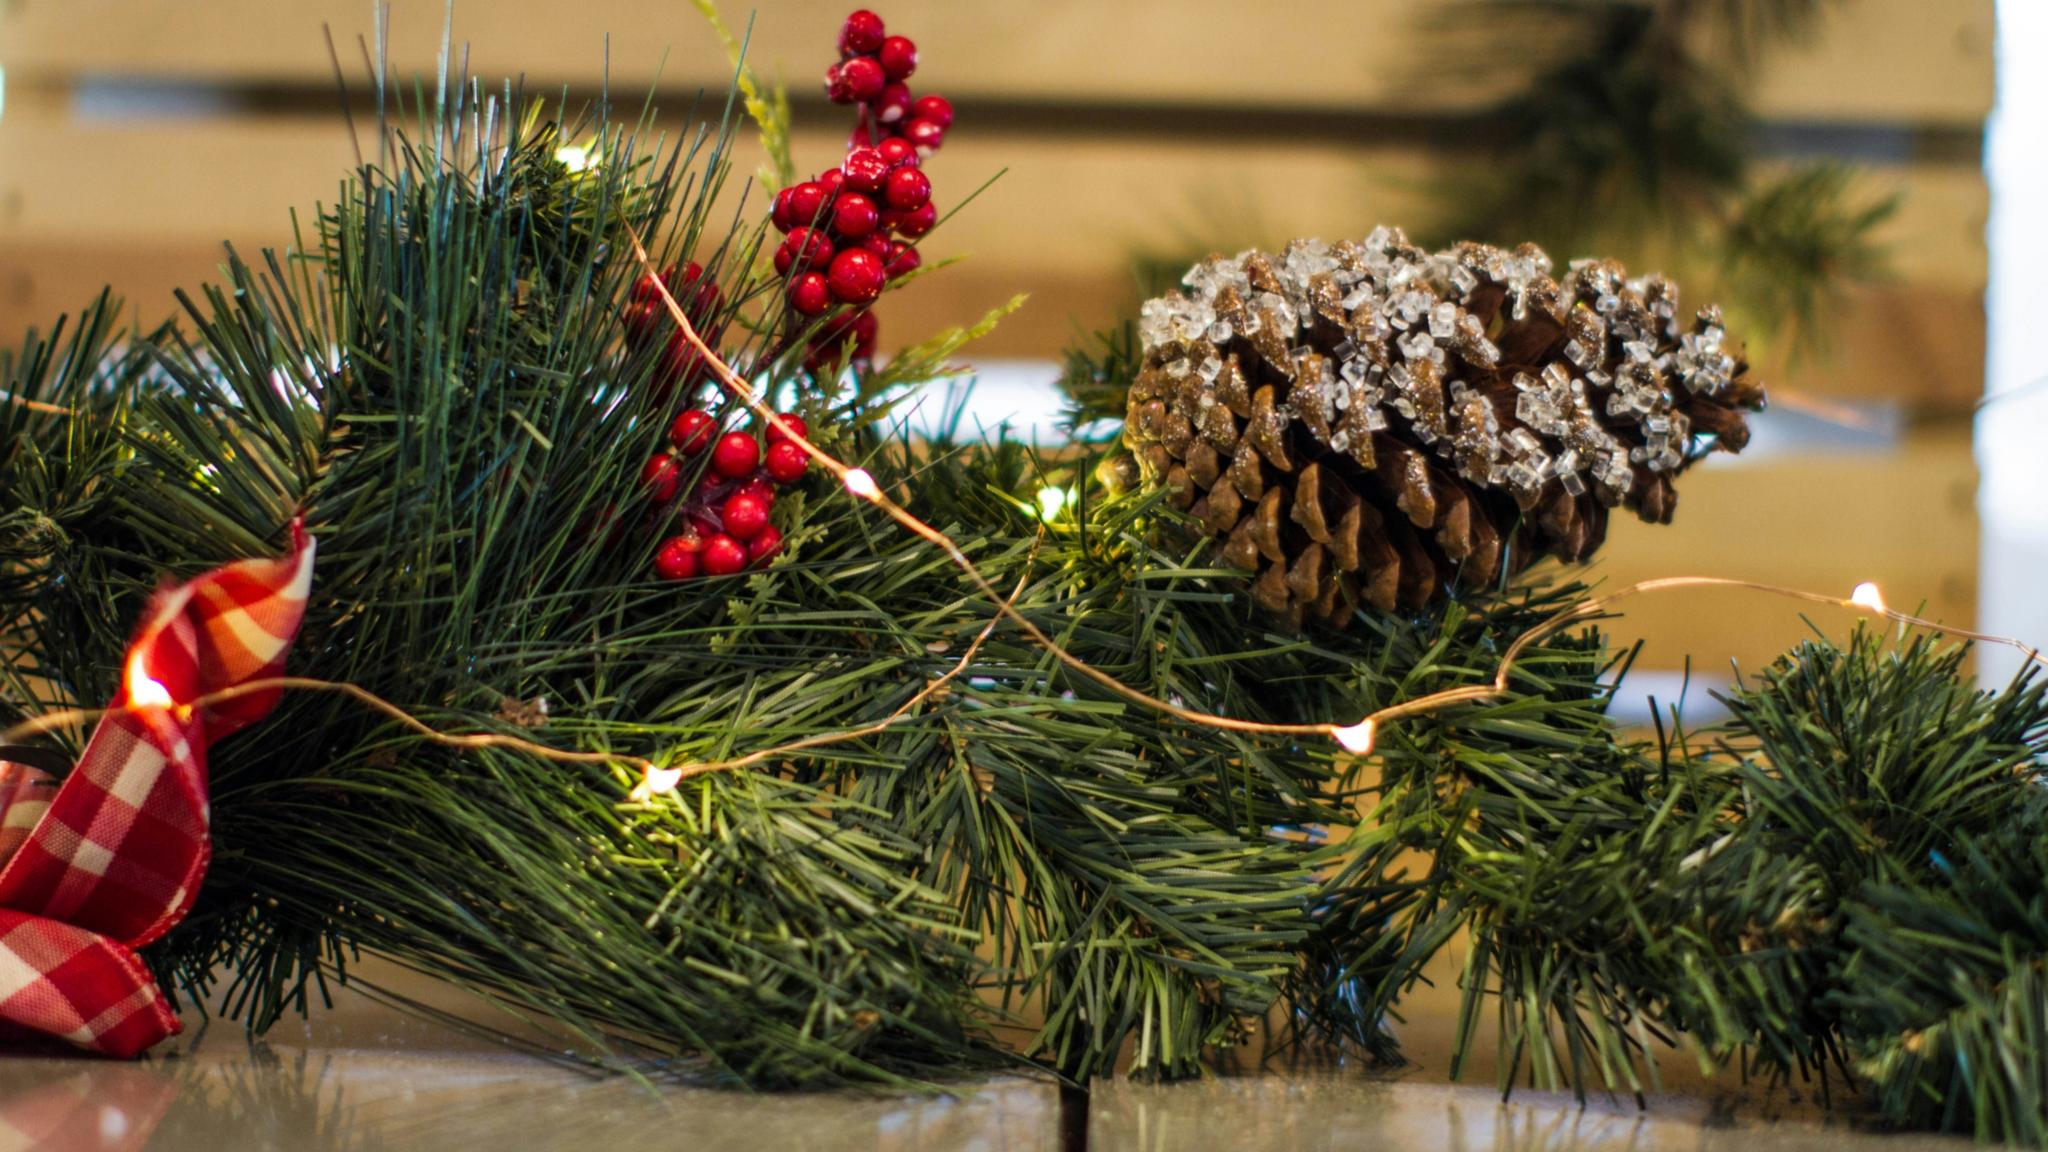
point(1844, 879)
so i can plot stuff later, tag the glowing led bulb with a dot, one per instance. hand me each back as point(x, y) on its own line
point(1051, 502)
point(1357, 737)
point(656, 782)
point(861, 484)
point(1867, 596)
point(575, 158)
point(144, 690)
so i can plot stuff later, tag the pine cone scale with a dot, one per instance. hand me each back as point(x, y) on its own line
point(1368, 421)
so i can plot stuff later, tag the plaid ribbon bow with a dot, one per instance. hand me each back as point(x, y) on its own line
point(111, 859)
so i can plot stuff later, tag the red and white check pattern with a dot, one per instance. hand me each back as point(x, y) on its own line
point(101, 865)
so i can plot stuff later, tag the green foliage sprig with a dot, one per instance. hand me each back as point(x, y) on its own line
point(434, 379)
point(1841, 880)
point(1633, 134)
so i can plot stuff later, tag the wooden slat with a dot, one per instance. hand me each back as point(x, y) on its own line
point(1823, 522)
point(1081, 204)
point(1886, 60)
point(145, 207)
point(1872, 60)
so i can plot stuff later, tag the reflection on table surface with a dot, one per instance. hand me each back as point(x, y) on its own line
point(363, 1078)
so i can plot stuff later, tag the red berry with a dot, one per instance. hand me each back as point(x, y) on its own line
point(893, 104)
point(898, 57)
point(810, 247)
point(787, 463)
point(936, 109)
point(680, 365)
point(830, 181)
point(860, 137)
point(759, 487)
point(806, 201)
point(795, 423)
point(898, 152)
point(860, 79)
point(865, 169)
point(878, 243)
point(645, 320)
point(864, 326)
point(856, 276)
point(854, 214)
point(735, 455)
point(838, 89)
point(862, 33)
point(679, 556)
point(837, 328)
point(913, 223)
point(691, 432)
point(723, 555)
point(766, 546)
point(745, 514)
point(908, 188)
point(780, 211)
point(675, 279)
point(927, 135)
point(648, 319)
point(809, 294)
point(661, 477)
point(703, 305)
point(902, 260)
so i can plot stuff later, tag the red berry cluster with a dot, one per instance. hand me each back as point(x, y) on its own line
point(724, 517)
point(647, 320)
point(838, 246)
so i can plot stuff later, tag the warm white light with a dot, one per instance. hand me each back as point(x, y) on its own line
point(575, 157)
point(1052, 502)
point(144, 690)
point(861, 484)
point(1867, 596)
point(1356, 738)
point(656, 782)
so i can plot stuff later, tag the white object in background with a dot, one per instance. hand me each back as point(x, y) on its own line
point(1021, 394)
point(2012, 496)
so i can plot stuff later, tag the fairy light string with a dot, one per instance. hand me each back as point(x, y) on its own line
point(37, 405)
point(657, 778)
point(858, 482)
point(146, 694)
point(1356, 738)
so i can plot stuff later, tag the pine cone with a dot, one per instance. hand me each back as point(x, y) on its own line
point(1372, 421)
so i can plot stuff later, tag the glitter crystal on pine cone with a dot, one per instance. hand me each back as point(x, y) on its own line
point(1370, 421)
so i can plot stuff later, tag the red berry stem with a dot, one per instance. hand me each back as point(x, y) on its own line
point(841, 224)
point(847, 232)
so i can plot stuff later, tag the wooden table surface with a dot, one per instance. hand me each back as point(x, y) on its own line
point(359, 1077)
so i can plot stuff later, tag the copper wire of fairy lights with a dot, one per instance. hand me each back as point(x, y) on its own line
point(1356, 738)
point(655, 778)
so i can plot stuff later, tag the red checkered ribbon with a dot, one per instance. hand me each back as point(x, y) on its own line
point(110, 860)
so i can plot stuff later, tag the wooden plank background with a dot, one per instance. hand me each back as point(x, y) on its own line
point(137, 135)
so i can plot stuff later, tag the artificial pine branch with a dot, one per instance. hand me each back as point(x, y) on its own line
point(1844, 876)
point(1840, 881)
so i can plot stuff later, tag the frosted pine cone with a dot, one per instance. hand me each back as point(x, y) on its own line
point(1372, 421)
